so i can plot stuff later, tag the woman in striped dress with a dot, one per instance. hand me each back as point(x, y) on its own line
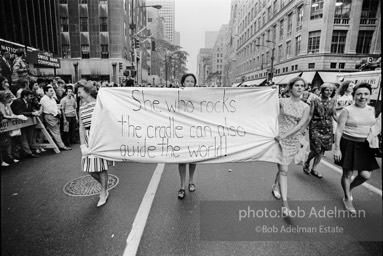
point(95, 166)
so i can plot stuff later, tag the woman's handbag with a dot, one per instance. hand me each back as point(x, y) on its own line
point(300, 157)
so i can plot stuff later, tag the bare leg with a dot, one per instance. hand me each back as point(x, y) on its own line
point(317, 160)
point(360, 179)
point(192, 168)
point(282, 171)
point(311, 155)
point(182, 171)
point(345, 182)
point(104, 182)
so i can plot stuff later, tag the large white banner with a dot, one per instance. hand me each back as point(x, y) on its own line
point(163, 125)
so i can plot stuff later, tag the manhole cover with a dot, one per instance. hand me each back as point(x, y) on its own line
point(87, 186)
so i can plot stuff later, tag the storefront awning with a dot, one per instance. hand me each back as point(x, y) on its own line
point(308, 76)
point(235, 85)
point(254, 82)
point(287, 78)
point(277, 79)
point(328, 77)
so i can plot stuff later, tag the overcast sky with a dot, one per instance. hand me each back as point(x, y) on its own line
point(193, 18)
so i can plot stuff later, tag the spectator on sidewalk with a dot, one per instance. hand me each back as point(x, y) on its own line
point(51, 115)
point(5, 65)
point(23, 106)
point(5, 86)
point(68, 107)
point(20, 70)
point(22, 84)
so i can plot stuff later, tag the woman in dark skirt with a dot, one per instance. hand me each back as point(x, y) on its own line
point(352, 151)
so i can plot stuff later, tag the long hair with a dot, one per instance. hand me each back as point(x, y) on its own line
point(343, 87)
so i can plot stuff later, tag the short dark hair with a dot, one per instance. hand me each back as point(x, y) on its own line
point(25, 93)
point(47, 87)
point(361, 85)
point(19, 52)
point(183, 78)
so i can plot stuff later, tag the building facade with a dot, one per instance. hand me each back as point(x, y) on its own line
point(210, 38)
point(168, 12)
point(315, 39)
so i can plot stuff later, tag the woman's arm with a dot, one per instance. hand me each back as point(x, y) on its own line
point(334, 114)
point(338, 133)
point(81, 130)
point(11, 116)
point(298, 127)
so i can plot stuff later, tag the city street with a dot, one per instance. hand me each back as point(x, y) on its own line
point(38, 218)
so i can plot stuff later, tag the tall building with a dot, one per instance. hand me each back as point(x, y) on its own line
point(203, 65)
point(210, 38)
point(168, 12)
point(315, 39)
point(217, 57)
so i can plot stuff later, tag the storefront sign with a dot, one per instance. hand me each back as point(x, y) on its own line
point(7, 125)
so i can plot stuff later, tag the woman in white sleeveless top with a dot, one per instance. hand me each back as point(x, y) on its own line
point(352, 150)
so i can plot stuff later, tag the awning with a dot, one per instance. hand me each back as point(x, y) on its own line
point(328, 77)
point(254, 82)
point(287, 78)
point(277, 79)
point(235, 85)
point(308, 76)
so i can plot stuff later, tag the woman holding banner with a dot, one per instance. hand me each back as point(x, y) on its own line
point(187, 80)
point(292, 118)
point(96, 167)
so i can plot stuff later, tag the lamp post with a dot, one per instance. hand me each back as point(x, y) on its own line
point(270, 78)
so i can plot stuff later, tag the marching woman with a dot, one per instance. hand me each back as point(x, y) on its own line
point(293, 115)
point(352, 151)
point(96, 167)
point(187, 80)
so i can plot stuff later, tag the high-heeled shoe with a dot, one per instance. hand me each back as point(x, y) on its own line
point(285, 211)
point(275, 192)
point(103, 199)
point(349, 206)
point(4, 164)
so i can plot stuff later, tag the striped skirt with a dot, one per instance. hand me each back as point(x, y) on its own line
point(94, 164)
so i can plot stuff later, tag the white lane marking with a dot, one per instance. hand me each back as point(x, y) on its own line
point(368, 186)
point(134, 238)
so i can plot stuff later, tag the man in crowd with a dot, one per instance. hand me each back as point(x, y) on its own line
point(20, 70)
point(51, 114)
point(23, 106)
point(68, 107)
point(5, 66)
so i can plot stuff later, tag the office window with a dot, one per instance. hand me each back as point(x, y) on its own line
point(342, 65)
point(85, 51)
point(314, 39)
point(263, 18)
point(275, 7)
point(269, 13)
point(103, 24)
point(296, 67)
point(316, 9)
point(297, 45)
point(281, 27)
point(364, 42)
point(65, 49)
point(289, 24)
point(104, 51)
point(267, 58)
point(84, 24)
point(311, 65)
point(64, 23)
point(280, 53)
point(288, 49)
point(338, 41)
point(369, 9)
point(83, 1)
point(342, 12)
point(274, 33)
point(299, 17)
point(333, 65)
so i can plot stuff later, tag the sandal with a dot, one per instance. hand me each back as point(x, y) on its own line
point(316, 174)
point(306, 169)
point(181, 194)
point(191, 187)
point(275, 193)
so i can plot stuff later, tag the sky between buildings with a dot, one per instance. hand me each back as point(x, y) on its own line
point(193, 18)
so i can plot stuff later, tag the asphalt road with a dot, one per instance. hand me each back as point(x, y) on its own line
point(38, 218)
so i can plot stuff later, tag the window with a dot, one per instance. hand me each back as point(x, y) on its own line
point(296, 67)
point(85, 51)
point(338, 41)
point(280, 53)
point(342, 12)
point(64, 22)
point(104, 51)
point(84, 24)
point(274, 33)
point(275, 7)
point(63, 1)
point(364, 42)
point(267, 58)
point(281, 29)
point(297, 45)
point(311, 65)
point(104, 24)
point(314, 39)
point(263, 18)
point(369, 10)
point(333, 65)
point(342, 65)
point(65, 51)
point(269, 13)
point(105, 2)
point(316, 9)
point(299, 18)
point(288, 49)
point(83, 1)
point(289, 24)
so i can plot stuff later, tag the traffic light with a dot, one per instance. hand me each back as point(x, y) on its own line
point(153, 46)
point(136, 43)
point(119, 66)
